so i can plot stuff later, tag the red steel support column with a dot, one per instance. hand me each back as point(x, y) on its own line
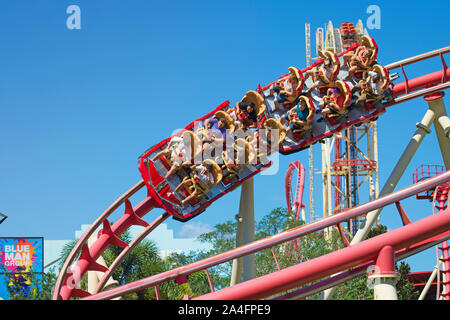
point(104, 241)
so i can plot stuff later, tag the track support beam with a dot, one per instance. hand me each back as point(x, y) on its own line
point(441, 124)
point(385, 277)
point(244, 268)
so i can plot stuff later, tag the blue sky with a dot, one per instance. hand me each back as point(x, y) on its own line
point(77, 107)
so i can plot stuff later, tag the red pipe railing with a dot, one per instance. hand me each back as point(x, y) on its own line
point(274, 240)
point(334, 262)
point(427, 81)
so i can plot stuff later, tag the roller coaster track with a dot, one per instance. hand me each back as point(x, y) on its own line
point(423, 85)
point(440, 200)
point(416, 240)
point(82, 258)
point(294, 197)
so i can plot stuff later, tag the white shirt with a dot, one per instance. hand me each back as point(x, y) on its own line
point(376, 86)
point(178, 153)
point(206, 178)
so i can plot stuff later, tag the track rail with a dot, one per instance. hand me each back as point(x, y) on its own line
point(422, 85)
point(340, 260)
point(68, 280)
point(294, 198)
point(289, 235)
point(358, 271)
point(420, 57)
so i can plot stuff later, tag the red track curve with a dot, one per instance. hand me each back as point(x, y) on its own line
point(294, 200)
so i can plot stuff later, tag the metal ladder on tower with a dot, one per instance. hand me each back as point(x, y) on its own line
point(440, 201)
point(312, 216)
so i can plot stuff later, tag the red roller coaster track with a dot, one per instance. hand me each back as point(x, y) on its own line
point(415, 236)
point(294, 197)
point(410, 241)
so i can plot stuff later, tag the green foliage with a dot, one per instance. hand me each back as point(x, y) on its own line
point(404, 286)
point(221, 239)
point(377, 230)
point(355, 289)
point(276, 221)
point(143, 261)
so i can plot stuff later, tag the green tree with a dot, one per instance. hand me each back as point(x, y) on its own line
point(222, 239)
point(143, 261)
point(405, 289)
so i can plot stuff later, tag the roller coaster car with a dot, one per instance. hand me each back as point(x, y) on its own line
point(341, 115)
point(299, 131)
point(260, 107)
point(193, 185)
point(339, 104)
point(162, 190)
point(233, 164)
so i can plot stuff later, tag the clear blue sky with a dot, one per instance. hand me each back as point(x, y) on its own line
point(78, 107)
